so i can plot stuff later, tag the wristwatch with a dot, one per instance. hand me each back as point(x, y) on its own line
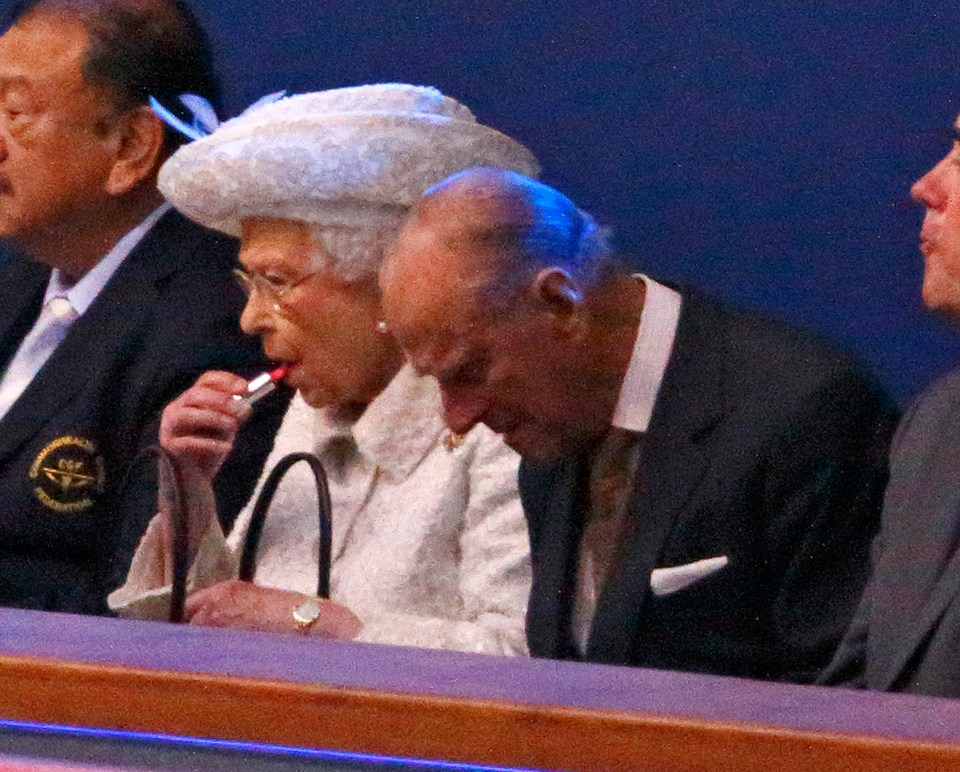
point(305, 614)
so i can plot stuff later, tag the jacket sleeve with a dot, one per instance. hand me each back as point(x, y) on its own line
point(824, 491)
point(849, 664)
point(146, 592)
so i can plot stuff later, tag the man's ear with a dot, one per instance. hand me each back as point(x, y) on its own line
point(139, 144)
point(557, 290)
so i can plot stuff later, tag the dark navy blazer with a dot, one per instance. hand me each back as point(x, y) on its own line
point(170, 312)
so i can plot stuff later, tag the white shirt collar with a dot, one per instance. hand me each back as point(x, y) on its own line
point(82, 294)
point(651, 352)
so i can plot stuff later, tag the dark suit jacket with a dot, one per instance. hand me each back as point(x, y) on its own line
point(906, 635)
point(169, 313)
point(764, 446)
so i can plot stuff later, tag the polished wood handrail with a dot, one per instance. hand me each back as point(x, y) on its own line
point(395, 701)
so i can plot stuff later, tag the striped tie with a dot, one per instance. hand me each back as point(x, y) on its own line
point(50, 329)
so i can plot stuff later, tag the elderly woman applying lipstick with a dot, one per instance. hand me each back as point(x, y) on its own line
point(429, 543)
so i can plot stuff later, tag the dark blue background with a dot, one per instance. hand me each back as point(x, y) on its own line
point(763, 151)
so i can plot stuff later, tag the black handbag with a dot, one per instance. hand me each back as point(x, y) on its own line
point(167, 466)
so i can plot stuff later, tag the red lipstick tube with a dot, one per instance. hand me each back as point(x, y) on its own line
point(262, 385)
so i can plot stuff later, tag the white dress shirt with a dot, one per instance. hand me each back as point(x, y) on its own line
point(651, 353)
point(638, 395)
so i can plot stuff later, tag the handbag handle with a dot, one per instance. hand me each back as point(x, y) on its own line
point(248, 555)
point(167, 466)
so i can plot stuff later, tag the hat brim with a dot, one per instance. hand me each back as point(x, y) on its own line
point(332, 169)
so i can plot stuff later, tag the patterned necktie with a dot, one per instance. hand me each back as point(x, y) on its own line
point(51, 328)
point(612, 485)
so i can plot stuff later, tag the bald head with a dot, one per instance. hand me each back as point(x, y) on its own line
point(512, 223)
point(482, 236)
point(495, 288)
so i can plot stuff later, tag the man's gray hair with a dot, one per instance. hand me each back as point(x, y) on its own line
point(525, 226)
point(568, 238)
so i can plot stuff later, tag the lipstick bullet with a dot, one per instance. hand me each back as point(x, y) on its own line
point(262, 385)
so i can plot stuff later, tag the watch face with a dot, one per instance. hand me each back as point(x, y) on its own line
point(306, 613)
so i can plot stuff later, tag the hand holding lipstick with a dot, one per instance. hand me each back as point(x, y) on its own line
point(262, 385)
point(200, 426)
point(198, 429)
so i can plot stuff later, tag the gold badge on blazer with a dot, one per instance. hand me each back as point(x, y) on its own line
point(68, 474)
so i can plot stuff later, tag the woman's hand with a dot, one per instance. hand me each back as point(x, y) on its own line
point(246, 605)
point(199, 427)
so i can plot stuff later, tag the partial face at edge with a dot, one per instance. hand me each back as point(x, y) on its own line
point(55, 153)
point(939, 192)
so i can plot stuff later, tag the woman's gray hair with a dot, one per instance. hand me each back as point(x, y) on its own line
point(353, 254)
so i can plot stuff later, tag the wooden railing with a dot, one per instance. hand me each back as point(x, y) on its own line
point(301, 692)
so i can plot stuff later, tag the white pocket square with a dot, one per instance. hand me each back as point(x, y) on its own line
point(664, 581)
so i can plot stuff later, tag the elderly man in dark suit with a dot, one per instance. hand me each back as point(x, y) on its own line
point(701, 485)
point(119, 304)
point(906, 635)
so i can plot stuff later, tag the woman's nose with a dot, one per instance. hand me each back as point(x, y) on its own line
point(257, 316)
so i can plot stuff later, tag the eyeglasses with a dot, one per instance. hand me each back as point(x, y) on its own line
point(273, 292)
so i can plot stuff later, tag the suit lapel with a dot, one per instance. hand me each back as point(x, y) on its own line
point(94, 341)
point(23, 285)
point(553, 498)
point(917, 568)
point(915, 634)
point(674, 460)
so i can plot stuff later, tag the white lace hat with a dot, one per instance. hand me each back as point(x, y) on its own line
point(349, 157)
